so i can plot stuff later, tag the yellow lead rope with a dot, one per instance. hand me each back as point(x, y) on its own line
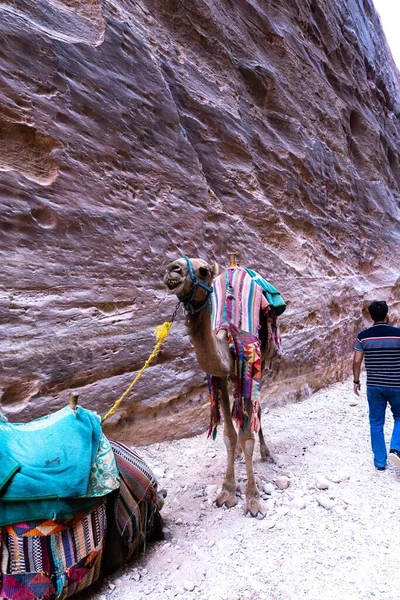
point(161, 333)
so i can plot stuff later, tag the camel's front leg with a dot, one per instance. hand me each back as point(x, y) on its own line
point(227, 495)
point(253, 503)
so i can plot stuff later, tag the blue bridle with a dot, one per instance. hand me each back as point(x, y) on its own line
point(196, 282)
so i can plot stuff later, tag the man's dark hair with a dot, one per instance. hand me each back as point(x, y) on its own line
point(378, 310)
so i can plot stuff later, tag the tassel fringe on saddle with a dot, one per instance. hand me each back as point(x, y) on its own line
point(246, 351)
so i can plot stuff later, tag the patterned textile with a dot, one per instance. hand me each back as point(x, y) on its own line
point(104, 477)
point(245, 349)
point(272, 295)
point(135, 506)
point(237, 300)
point(51, 560)
point(237, 305)
point(54, 453)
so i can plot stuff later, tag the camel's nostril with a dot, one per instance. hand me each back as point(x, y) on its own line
point(176, 269)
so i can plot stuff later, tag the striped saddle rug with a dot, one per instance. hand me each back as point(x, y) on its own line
point(54, 559)
point(239, 307)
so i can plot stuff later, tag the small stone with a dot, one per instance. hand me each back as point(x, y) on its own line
point(348, 498)
point(158, 472)
point(210, 490)
point(340, 476)
point(353, 402)
point(281, 511)
point(325, 502)
point(344, 475)
point(270, 504)
point(282, 482)
point(268, 524)
point(112, 586)
point(298, 503)
point(268, 488)
point(189, 586)
point(135, 576)
point(179, 521)
point(321, 482)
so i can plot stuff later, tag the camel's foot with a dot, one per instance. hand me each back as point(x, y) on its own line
point(266, 455)
point(161, 495)
point(253, 505)
point(227, 496)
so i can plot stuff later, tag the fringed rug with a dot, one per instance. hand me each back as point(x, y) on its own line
point(245, 349)
point(237, 304)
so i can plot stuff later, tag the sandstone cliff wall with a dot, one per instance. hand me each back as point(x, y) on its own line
point(135, 131)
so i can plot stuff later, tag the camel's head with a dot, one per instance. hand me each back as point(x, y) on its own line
point(190, 279)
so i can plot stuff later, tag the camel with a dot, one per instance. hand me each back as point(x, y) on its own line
point(192, 281)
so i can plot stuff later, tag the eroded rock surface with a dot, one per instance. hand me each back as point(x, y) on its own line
point(131, 133)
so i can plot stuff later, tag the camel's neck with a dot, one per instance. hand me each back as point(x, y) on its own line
point(212, 350)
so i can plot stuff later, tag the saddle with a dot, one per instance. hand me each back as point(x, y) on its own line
point(55, 466)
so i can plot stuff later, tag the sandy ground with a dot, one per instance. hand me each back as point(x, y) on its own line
point(339, 543)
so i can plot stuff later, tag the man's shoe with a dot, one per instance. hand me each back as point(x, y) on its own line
point(394, 457)
point(381, 468)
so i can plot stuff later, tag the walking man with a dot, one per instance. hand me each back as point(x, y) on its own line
point(380, 345)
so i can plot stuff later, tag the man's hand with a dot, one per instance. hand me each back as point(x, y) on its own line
point(357, 360)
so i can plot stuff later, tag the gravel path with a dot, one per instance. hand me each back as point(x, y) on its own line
point(337, 543)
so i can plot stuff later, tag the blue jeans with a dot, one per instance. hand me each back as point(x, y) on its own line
point(378, 397)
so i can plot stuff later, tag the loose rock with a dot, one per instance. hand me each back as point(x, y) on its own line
point(189, 586)
point(268, 488)
point(325, 501)
point(282, 482)
point(298, 503)
point(321, 482)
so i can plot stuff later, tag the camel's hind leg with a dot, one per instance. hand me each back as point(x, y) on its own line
point(264, 450)
point(227, 495)
point(253, 503)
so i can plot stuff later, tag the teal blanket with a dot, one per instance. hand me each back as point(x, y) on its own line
point(50, 457)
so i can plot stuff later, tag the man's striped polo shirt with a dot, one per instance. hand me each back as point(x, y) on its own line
point(381, 346)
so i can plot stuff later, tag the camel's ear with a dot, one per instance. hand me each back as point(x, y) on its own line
point(214, 269)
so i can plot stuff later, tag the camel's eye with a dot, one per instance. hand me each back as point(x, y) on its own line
point(203, 271)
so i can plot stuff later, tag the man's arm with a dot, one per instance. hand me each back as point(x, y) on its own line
point(357, 361)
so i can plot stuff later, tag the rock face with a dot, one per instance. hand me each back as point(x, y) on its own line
point(134, 132)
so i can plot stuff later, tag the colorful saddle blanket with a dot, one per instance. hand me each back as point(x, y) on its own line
point(238, 300)
point(54, 467)
point(51, 456)
point(237, 305)
point(245, 349)
point(135, 515)
point(52, 560)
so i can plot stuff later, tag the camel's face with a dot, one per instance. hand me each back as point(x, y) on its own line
point(177, 278)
